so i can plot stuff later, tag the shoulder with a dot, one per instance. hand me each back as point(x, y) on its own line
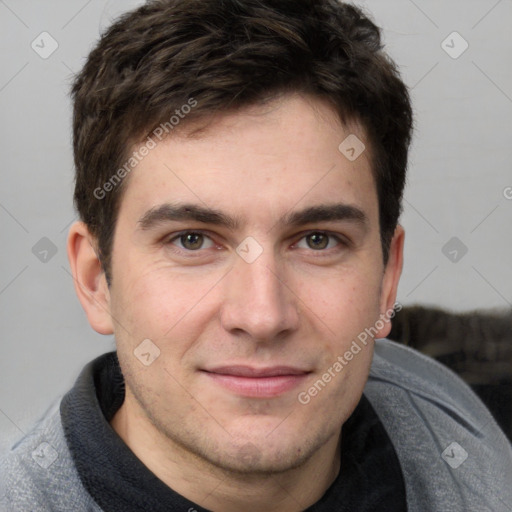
point(38, 472)
point(403, 367)
point(450, 448)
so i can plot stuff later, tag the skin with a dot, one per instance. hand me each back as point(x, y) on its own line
point(296, 304)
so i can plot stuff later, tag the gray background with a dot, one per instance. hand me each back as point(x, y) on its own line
point(459, 178)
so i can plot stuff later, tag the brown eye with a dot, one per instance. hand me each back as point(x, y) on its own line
point(317, 240)
point(321, 241)
point(192, 241)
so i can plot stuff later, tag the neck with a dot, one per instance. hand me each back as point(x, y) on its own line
point(218, 489)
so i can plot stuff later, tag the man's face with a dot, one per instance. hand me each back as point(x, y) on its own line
point(248, 315)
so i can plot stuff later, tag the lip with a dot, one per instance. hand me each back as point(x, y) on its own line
point(257, 382)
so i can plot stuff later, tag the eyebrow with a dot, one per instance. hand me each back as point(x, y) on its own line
point(320, 213)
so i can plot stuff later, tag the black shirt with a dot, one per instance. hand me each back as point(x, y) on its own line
point(370, 477)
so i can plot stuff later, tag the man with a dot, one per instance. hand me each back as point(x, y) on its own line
point(239, 172)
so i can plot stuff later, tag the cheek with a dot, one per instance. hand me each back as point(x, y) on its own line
point(158, 303)
point(144, 304)
point(346, 303)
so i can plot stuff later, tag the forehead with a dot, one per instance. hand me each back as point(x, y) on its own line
point(264, 161)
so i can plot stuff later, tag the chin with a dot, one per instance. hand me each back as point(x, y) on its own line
point(256, 451)
point(253, 459)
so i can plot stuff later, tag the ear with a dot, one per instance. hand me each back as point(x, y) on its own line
point(89, 277)
point(391, 279)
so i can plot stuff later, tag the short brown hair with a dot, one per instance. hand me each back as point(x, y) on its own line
point(229, 54)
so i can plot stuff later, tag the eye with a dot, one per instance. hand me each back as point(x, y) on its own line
point(319, 240)
point(192, 241)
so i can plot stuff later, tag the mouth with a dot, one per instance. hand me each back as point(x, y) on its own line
point(257, 382)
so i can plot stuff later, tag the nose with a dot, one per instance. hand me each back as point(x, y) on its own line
point(258, 300)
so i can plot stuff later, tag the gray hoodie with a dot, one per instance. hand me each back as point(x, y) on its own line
point(453, 456)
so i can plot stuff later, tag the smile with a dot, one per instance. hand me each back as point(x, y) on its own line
point(258, 383)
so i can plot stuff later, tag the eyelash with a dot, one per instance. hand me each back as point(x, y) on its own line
point(342, 242)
